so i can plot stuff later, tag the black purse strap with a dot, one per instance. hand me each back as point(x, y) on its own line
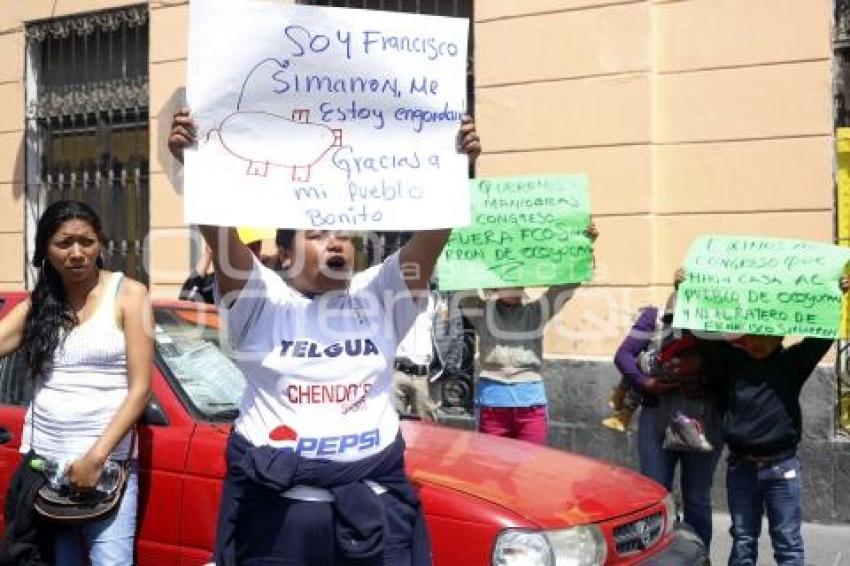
point(134, 432)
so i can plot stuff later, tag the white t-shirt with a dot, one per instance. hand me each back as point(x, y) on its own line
point(417, 347)
point(319, 371)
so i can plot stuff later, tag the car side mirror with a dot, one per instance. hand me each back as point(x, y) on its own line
point(153, 415)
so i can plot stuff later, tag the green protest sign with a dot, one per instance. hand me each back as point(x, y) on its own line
point(526, 231)
point(764, 286)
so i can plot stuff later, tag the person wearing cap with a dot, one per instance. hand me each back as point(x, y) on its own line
point(198, 287)
point(253, 238)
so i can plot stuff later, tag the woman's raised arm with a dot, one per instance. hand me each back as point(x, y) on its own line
point(231, 258)
point(420, 254)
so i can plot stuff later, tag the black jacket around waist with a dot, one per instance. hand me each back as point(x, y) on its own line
point(359, 517)
point(27, 538)
point(760, 399)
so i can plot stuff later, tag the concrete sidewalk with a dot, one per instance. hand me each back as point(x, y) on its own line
point(826, 545)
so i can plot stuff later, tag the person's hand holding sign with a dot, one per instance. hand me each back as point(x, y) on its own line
point(468, 141)
point(418, 256)
point(679, 277)
point(183, 132)
point(592, 232)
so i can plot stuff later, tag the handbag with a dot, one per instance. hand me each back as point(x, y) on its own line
point(689, 423)
point(71, 507)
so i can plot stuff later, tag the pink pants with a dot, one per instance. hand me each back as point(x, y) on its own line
point(523, 423)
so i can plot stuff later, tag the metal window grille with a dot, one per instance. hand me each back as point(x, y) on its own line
point(87, 123)
point(389, 242)
point(842, 23)
point(16, 385)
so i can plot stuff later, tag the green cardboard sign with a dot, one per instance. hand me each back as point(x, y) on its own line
point(526, 232)
point(764, 286)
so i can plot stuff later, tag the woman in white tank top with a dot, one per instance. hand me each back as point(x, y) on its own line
point(84, 333)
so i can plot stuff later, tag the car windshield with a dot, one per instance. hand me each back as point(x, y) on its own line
point(189, 346)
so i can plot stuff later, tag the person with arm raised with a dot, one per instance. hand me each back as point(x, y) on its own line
point(317, 427)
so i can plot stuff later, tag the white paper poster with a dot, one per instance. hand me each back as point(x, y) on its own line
point(325, 118)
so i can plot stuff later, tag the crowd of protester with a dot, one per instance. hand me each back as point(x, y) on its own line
point(694, 395)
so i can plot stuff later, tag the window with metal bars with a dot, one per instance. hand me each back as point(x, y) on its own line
point(390, 242)
point(87, 124)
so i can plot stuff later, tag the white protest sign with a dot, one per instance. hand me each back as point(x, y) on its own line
point(325, 118)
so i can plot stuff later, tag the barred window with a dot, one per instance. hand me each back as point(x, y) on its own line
point(87, 124)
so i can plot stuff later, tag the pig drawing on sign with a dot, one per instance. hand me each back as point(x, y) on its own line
point(295, 143)
point(263, 138)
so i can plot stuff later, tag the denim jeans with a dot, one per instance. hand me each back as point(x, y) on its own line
point(697, 472)
point(753, 488)
point(106, 542)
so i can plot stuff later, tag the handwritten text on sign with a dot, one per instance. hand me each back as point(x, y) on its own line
point(762, 286)
point(526, 231)
point(325, 118)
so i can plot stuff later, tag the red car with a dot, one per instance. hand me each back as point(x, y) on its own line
point(488, 500)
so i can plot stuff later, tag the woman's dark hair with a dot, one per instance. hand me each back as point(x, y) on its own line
point(284, 238)
point(50, 312)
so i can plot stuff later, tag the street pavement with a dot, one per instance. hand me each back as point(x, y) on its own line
point(826, 545)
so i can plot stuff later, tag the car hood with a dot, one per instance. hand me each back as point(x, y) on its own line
point(550, 488)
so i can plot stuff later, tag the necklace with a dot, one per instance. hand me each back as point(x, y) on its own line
point(79, 307)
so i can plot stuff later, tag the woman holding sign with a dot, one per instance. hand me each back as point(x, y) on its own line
point(759, 384)
point(510, 397)
point(315, 470)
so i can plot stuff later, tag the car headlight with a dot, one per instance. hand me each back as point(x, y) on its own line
point(522, 548)
point(578, 546)
point(671, 514)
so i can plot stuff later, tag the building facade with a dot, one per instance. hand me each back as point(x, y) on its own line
point(688, 116)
